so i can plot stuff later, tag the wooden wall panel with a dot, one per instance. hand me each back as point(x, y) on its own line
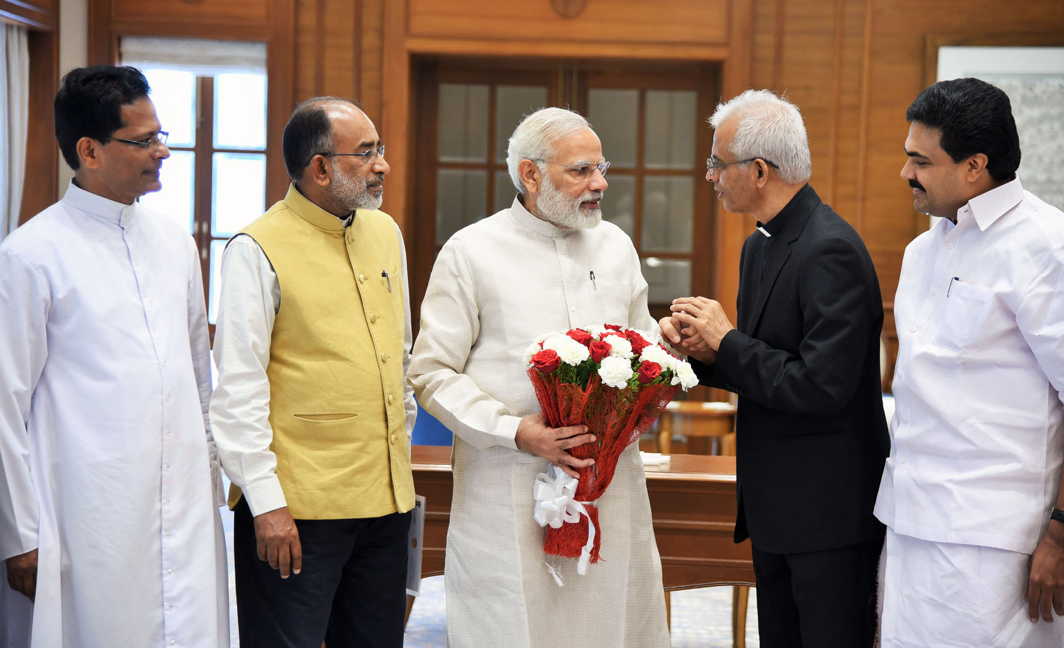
point(338, 51)
point(193, 12)
point(664, 21)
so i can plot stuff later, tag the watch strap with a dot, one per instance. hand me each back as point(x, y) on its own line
point(1057, 514)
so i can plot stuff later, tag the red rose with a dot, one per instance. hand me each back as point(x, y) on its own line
point(546, 361)
point(638, 341)
point(580, 335)
point(612, 327)
point(599, 350)
point(648, 371)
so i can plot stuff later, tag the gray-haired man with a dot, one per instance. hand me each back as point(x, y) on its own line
point(547, 263)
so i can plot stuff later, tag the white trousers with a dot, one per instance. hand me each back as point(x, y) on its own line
point(941, 595)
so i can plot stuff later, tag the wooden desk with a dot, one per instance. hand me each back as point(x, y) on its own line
point(693, 507)
point(714, 420)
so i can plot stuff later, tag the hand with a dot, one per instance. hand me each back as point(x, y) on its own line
point(702, 317)
point(533, 436)
point(277, 541)
point(1045, 584)
point(22, 573)
point(692, 345)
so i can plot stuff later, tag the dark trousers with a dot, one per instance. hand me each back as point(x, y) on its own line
point(350, 594)
point(821, 599)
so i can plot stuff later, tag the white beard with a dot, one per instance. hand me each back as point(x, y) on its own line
point(565, 212)
point(353, 193)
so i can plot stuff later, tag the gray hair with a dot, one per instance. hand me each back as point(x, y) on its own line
point(770, 128)
point(534, 138)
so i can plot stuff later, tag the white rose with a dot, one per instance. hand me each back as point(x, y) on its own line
point(684, 375)
point(615, 372)
point(555, 341)
point(620, 347)
point(654, 353)
point(572, 352)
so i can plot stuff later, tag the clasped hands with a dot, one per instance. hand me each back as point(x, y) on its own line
point(696, 327)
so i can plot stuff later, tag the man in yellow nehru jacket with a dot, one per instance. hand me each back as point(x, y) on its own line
point(311, 412)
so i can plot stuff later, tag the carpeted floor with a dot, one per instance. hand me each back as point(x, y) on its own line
point(700, 618)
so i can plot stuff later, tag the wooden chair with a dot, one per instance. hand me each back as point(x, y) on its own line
point(716, 422)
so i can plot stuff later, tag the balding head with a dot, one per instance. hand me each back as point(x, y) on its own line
point(309, 131)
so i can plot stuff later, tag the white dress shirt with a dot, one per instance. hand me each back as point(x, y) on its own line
point(977, 435)
point(240, 407)
point(105, 458)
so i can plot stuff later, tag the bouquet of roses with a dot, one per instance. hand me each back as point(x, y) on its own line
point(616, 382)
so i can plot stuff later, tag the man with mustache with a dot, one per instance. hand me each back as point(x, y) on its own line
point(973, 493)
point(109, 482)
point(547, 263)
point(311, 410)
point(804, 360)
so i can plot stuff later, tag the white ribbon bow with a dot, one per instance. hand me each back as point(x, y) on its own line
point(555, 494)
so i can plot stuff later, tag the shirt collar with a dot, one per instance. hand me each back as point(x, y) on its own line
point(529, 221)
point(991, 205)
point(105, 209)
point(313, 214)
point(789, 220)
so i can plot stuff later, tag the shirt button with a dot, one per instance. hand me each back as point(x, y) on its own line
point(372, 319)
point(361, 278)
point(391, 399)
point(384, 357)
point(169, 572)
point(392, 439)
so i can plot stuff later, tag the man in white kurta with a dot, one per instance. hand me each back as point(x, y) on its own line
point(108, 482)
point(545, 264)
point(971, 493)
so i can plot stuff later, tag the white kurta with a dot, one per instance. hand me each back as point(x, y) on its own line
point(106, 464)
point(496, 286)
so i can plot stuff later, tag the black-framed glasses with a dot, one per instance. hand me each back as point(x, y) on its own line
point(365, 156)
point(581, 171)
point(151, 141)
point(718, 165)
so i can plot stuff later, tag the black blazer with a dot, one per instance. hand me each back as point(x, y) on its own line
point(811, 434)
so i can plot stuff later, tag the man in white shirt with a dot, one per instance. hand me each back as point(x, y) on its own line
point(109, 485)
point(971, 493)
point(546, 264)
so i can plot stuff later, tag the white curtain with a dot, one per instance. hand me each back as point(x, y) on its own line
point(14, 109)
point(206, 57)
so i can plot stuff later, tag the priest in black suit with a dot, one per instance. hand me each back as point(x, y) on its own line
point(804, 360)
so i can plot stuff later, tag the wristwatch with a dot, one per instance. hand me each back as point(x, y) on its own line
point(1057, 515)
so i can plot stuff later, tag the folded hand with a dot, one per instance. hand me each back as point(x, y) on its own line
point(22, 573)
point(533, 436)
point(703, 319)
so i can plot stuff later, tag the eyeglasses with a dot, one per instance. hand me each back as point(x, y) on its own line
point(581, 171)
point(158, 139)
point(718, 165)
point(365, 155)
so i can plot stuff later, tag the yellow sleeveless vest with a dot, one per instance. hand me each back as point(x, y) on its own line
point(336, 362)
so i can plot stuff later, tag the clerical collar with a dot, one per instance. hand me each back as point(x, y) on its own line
point(792, 214)
point(110, 211)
